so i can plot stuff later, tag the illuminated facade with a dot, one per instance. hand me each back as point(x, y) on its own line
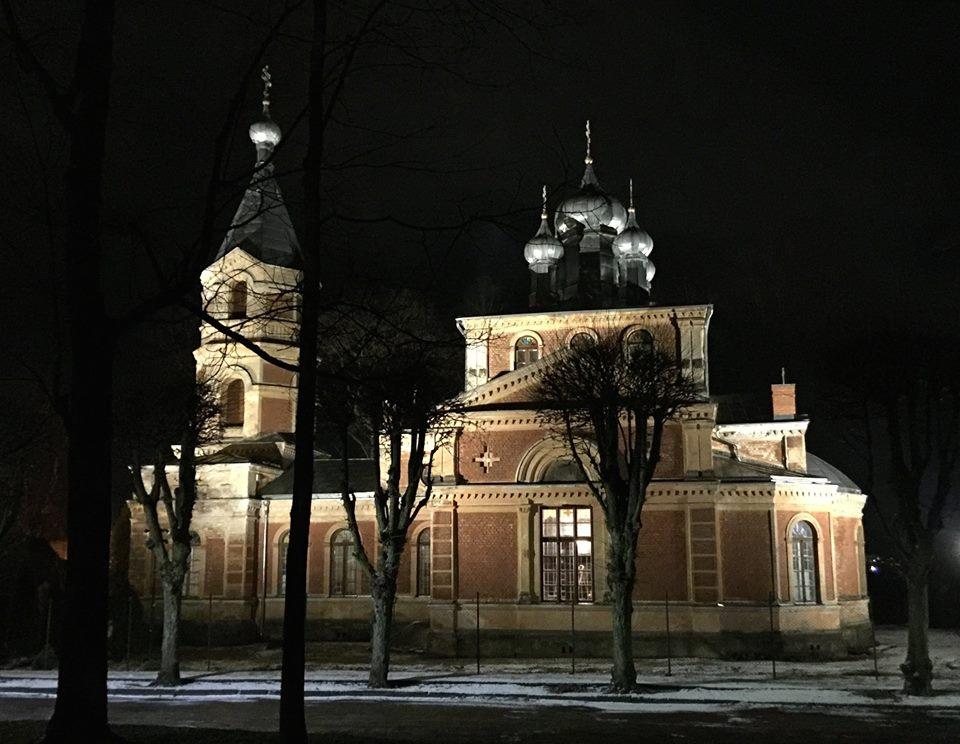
point(743, 526)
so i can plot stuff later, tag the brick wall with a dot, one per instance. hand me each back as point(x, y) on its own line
point(487, 555)
point(848, 557)
point(745, 556)
point(509, 446)
point(214, 566)
point(662, 556)
point(671, 452)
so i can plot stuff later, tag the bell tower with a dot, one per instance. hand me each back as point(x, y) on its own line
point(252, 289)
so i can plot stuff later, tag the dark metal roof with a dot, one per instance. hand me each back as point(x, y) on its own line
point(262, 225)
point(328, 477)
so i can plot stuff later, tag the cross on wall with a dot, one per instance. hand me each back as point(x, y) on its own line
point(486, 460)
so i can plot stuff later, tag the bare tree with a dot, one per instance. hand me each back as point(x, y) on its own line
point(610, 402)
point(398, 379)
point(907, 410)
point(168, 531)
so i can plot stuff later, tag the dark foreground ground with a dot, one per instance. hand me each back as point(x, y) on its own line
point(359, 722)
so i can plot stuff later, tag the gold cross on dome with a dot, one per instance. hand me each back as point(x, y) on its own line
point(486, 460)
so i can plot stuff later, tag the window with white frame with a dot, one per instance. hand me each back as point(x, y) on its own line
point(566, 554)
point(803, 557)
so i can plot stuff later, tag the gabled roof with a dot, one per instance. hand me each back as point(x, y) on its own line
point(262, 225)
point(328, 477)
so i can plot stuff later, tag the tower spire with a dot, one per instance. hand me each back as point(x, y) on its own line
point(267, 84)
point(630, 209)
point(588, 160)
point(589, 177)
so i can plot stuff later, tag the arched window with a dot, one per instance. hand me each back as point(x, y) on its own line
point(237, 304)
point(581, 340)
point(639, 339)
point(231, 403)
point(282, 544)
point(193, 579)
point(423, 563)
point(562, 470)
point(803, 549)
point(345, 570)
point(525, 351)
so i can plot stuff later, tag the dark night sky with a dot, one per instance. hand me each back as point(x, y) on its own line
point(796, 164)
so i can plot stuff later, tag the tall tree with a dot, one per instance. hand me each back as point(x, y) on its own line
point(907, 409)
point(82, 108)
point(393, 379)
point(168, 510)
point(610, 402)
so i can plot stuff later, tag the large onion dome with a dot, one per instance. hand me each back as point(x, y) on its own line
point(543, 250)
point(590, 208)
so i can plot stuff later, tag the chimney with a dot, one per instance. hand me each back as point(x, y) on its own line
point(784, 398)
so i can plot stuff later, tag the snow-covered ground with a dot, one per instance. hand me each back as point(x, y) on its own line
point(702, 685)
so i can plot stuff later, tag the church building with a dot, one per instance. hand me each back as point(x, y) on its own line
point(747, 537)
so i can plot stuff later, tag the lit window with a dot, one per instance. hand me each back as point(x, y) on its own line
point(526, 351)
point(476, 365)
point(346, 574)
point(803, 548)
point(423, 563)
point(566, 557)
point(282, 545)
point(238, 301)
point(231, 402)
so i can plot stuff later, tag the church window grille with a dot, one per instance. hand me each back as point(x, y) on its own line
point(526, 351)
point(232, 403)
point(803, 547)
point(282, 544)
point(238, 301)
point(423, 563)
point(566, 555)
point(346, 574)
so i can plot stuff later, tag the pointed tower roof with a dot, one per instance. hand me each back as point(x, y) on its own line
point(262, 225)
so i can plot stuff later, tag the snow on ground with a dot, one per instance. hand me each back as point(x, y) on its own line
point(695, 685)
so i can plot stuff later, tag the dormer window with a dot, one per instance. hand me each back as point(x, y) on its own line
point(237, 301)
point(525, 351)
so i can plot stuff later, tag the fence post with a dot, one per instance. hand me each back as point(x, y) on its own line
point(46, 640)
point(876, 665)
point(573, 630)
point(773, 641)
point(129, 627)
point(666, 608)
point(478, 632)
point(209, 627)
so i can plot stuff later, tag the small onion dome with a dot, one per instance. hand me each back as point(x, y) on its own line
point(632, 242)
point(543, 250)
point(651, 270)
point(265, 132)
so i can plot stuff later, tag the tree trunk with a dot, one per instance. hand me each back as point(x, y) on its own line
point(384, 599)
point(169, 673)
point(80, 713)
point(293, 728)
point(621, 574)
point(917, 669)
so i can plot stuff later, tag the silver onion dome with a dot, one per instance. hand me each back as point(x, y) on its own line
point(543, 250)
point(590, 206)
point(632, 242)
point(265, 134)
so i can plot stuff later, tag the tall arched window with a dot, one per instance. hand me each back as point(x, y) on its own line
point(423, 563)
point(525, 351)
point(237, 305)
point(282, 544)
point(345, 570)
point(639, 339)
point(803, 549)
point(193, 579)
point(231, 403)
